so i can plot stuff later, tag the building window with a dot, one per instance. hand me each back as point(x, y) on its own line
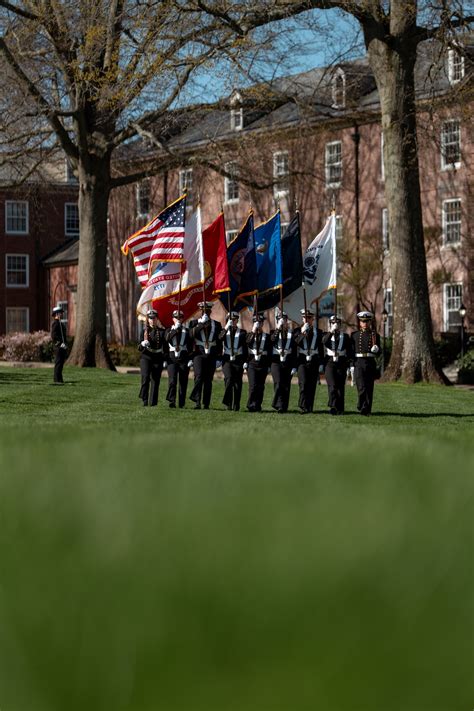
point(17, 320)
point(237, 119)
point(339, 90)
point(64, 306)
point(382, 164)
point(283, 228)
point(280, 173)
point(70, 176)
point(385, 230)
point(339, 227)
point(16, 217)
point(333, 164)
point(231, 186)
point(71, 219)
point(186, 185)
point(455, 66)
point(388, 306)
point(451, 222)
point(143, 198)
point(451, 144)
point(17, 269)
point(452, 304)
point(230, 235)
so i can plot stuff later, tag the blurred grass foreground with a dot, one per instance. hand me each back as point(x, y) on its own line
point(218, 561)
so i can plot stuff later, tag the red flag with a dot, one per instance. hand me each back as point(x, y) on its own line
point(215, 271)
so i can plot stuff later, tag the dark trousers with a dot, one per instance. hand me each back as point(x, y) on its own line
point(60, 355)
point(204, 369)
point(257, 375)
point(150, 369)
point(336, 374)
point(178, 373)
point(364, 373)
point(281, 374)
point(307, 381)
point(233, 373)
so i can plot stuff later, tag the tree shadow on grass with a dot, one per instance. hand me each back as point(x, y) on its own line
point(420, 415)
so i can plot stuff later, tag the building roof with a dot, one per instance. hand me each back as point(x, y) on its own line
point(67, 253)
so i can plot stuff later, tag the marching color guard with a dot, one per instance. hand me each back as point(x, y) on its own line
point(259, 356)
point(283, 361)
point(205, 332)
point(179, 353)
point(234, 355)
point(58, 337)
point(308, 357)
point(152, 347)
point(365, 346)
point(338, 352)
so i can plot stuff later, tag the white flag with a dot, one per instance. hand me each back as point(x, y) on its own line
point(319, 271)
point(165, 279)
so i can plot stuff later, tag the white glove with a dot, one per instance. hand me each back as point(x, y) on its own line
point(333, 328)
point(165, 364)
point(145, 344)
point(255, 328)
point(305, 328)
point(190, 362)
point(375, 349)
point(280, 323)
point(246, 365)
point(177, 325)
point(228, 325)
point(64, 346)
point(204, 318)
point(293, 371)
point(218, 364)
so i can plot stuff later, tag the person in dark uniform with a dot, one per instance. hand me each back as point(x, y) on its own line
point(365, 348)
point(179, 345)
point(309, 353)
point(259, 358)
point(338, 353)
point(234, 355)
point(283, 362)
point(152, 348)
point(58, 337)
point(205, 334)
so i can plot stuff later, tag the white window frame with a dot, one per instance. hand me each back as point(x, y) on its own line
point(27, 270)
point(231, 183)
point(385, 230)
point(283, 228)
point(339, 76)
point(26, 217)
point(450, 165)
point(231, 235)
point(281, 172)
point(237, 119)
point(67, 230)
point(339, 227)
point(145, 183)
point(445, 222)
point(382, 164)
point(388, 306)
point(18, 308)
point(329, 165)
point(447, 311)
point(70, 177)
point(455, 66)
point(186, 185)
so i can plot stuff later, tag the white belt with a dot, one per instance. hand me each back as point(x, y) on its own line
point(228, 351)
point(364, 355)
point(176, 349)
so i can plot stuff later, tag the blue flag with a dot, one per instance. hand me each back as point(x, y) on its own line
point(292, 266)
point(242, 268)
point(268, 249)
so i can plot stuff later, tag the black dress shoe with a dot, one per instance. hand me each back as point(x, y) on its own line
point(172, 405)
point(333, 411)
point(205, 407)
point(197, 407)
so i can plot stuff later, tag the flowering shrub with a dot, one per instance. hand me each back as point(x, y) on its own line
point(26, 346)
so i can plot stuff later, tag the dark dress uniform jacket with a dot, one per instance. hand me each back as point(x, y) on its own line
point(179, 352)
point(338, 357)
point(58, 337)
point(234, 355)
point(283, 361)
point(309, 354)
point(151, 363)
point(365, 367)
point(207, 347)
point(259, 359)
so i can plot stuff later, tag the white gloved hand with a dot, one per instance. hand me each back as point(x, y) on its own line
point(255, 328)
point(63, 346)
point(205, 318)
point(375, 349)
point(333, 328)
point(246, 365)
point(145, 344)
point(280, 323)
point(228, 324)
point(293, 371)
point(218, 364)
point(190, 362)
point(305, 328)
point(177, 325)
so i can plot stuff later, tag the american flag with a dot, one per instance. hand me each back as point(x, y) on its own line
point(161, 240)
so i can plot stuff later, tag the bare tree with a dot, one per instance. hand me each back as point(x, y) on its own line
point(90, 76)
point(392, 32)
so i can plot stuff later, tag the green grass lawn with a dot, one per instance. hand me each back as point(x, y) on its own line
point(214, 561)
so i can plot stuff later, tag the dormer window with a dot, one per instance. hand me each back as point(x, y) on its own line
point(236, 112)
point(339, 90)
point(455, 66)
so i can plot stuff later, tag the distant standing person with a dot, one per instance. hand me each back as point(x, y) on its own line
point(58, 337)
point(259, 358)
point(151, 347)
point(283, 361)
point(338, 351)
point(179, 353)
point(234, 355)
point(308, 357)
point(207, 347)
point(365, 346)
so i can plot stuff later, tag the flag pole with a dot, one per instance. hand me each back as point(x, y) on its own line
point(333, 215)
point(305, 303)
point(180, 281)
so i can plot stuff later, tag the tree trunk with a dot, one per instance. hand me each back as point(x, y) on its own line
point(90, 342)
point(413, 355)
